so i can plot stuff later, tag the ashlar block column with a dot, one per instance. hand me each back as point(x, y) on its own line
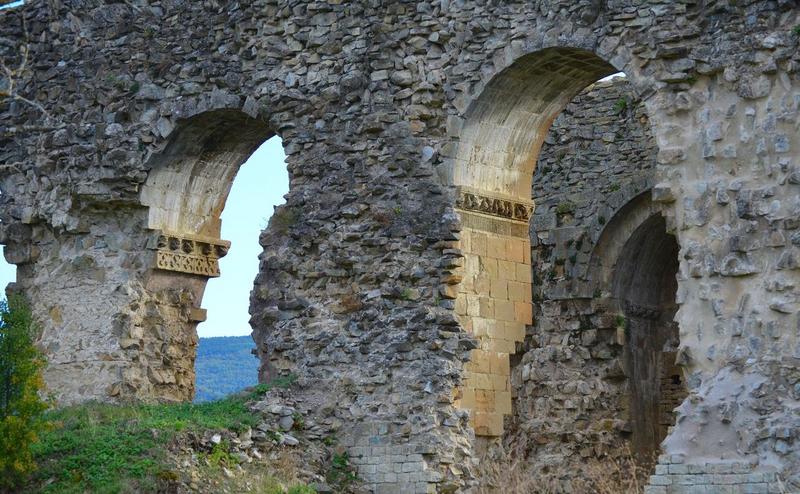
point(493, 301)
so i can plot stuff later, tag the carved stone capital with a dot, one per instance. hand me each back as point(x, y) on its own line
point(185, 253)
point(508, 208)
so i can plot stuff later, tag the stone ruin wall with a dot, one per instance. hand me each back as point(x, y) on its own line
point(388, 117)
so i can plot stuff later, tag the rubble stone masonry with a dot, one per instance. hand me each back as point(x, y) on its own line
point(397, 282)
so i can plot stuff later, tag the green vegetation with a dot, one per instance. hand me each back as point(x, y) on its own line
point(620, 321)
point(796, 30)
point(341, 475)
point(221, 455)
point(566, 207)
point(21, 407)
point(283, 218)
point(620, 105)
point(103, 448)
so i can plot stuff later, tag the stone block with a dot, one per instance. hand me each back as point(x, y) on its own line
point(499, 289)
point(496, 247)
point(500, 382)
point(505, 310)
point(523, 273)
point(679, 469)
point(507, 270)
point(487, 423)
point(523, 312)
point(486, 307)
point(503, 402)
point(660, 480)
point(477, 243)
point(515, 249)
point(519, 291)
point(515, 331)
point(755, 488)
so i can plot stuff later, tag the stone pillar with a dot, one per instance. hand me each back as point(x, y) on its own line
point(727, 149)
point(493, 301)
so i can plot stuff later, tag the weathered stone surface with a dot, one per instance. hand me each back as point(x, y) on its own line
point(385, 110)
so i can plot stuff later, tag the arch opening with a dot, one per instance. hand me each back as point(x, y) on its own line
point(190, 183)
point(492, 172)
point(644, 287)
point(592, 186)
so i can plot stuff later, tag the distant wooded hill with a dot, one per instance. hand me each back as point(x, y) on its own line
point(224, 364)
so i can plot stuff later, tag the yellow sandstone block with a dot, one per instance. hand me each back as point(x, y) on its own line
point(523, 272)
point(505, 310)
point(499, 364)
point(507, 270)
point(502, 402)
point(484, 398)
point(487, 423)
point(524, 312)
point(500, 383)
point(466, 241)
point(515, 250)
point(473, 305)
point(467, 399)
point(519, 291)
point(486, 307)
point(478, 243)
point(461, 305)
point(489, 267)
point(499, 289)
point(482, 284)
point(480, 361)
point(496, 247)
point(515, 331)
point(499, 345)
point(480, 326)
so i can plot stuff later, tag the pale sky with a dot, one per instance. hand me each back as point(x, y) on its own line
point(261, 183)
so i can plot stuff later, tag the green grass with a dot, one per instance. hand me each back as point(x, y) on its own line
point(103, 448)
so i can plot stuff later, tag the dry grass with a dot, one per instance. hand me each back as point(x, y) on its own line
point(506, 469)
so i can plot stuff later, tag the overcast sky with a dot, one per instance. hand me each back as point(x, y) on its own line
point(261, 183)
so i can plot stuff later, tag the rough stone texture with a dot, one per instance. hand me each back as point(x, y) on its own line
point(386, 110)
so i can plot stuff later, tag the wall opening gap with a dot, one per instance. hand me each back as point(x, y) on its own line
point(225, 362)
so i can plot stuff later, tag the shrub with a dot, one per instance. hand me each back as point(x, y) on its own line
point(341, 474)
point(620, 105)
point(566, 208)
point(21, 407)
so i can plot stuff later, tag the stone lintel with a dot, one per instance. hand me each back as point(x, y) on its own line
point(188, 253)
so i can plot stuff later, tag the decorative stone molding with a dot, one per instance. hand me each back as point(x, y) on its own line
point(507, 208)
point(193, 254)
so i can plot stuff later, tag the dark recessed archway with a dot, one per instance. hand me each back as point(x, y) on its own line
point(644, 285)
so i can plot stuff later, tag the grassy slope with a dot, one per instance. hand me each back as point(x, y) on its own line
point(103, 448)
